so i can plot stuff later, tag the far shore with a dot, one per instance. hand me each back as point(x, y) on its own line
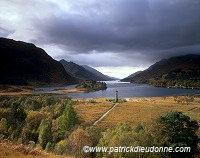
point(75, 90)
point(15, 90)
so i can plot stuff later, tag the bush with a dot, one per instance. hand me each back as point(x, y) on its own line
point(49, 147)
point(181, 132)
point(95, 134)
point(3, 127)
point(138, 128)
point(62, 147)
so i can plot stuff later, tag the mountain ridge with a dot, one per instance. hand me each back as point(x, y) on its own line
point(128, 78)
point(24, 63)
point(78, 71)
point(83, 72)
point(180, 70)
point(96, 72)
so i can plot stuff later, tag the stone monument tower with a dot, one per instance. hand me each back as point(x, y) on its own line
point(116, 96)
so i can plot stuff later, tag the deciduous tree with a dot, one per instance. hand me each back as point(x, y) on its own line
point(69, 118)
point(79, 138)
point(45, 132)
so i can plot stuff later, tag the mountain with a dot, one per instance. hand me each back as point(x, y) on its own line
point(128, 78)
point(79, 72)
point(181, 70)
point(112, 78)
point(97, 73)
point(24, 63)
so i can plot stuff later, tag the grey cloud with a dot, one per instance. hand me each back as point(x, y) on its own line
point(4, 32)
point(133, 32)
point(128, 25)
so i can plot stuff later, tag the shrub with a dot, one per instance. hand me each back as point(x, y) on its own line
point(139, 127)
point(181, 132)
point(95, 134)
point(62, 147)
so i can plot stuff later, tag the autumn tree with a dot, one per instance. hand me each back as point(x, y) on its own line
point(3, 128)
point(122, 135)
point(68, 119)
point(45, 132)
point(79, 138)
point(16, 120)
point(33, 120)
point(17, 115)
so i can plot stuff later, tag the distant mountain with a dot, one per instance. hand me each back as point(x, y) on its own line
point(97, 73)
point(128, 78)
point(24, 63)
point(80, 72)
point(112, 78)
point(176, 71)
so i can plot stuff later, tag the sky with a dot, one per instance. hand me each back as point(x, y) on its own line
point(117, 37)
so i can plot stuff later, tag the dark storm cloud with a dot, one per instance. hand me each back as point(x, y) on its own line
point(152, 28)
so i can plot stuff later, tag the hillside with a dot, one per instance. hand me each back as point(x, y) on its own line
point(82, 73)
point(128, 78)
point(97, 73)
point(25, 64)
point(180, 71)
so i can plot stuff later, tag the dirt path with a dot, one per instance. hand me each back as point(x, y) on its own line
point(105, 114)
point(192, 109)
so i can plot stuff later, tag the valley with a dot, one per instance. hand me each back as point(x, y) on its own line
point(99, 79)
point(54, 109)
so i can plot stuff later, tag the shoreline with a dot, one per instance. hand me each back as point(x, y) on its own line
point(15, 90)
point(29, 90)
point(75, 90)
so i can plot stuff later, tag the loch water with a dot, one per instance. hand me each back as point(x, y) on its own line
point(125, 90)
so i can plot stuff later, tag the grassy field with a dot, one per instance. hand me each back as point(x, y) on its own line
point(89, 111)
point(135, 110)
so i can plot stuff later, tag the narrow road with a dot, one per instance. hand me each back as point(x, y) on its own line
point(105, 114)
